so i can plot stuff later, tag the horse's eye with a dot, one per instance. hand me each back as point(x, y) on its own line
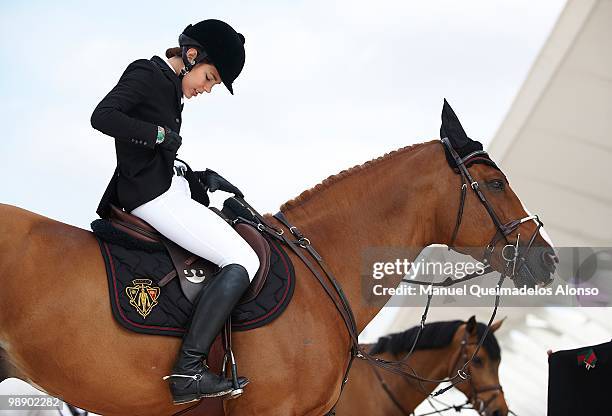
point(496, 185)
point(477, 361)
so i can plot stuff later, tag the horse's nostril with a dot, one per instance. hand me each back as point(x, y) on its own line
point(550, 259)
point(496, 413)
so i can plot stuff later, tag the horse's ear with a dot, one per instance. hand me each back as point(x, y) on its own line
point(470, 327)
point(451, 127)
point(495, 326)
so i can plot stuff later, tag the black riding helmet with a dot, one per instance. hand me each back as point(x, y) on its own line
point(217, 41)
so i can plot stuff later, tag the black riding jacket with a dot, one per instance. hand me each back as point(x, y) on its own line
point(147, 95)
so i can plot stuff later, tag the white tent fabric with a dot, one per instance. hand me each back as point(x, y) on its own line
point(554, 143)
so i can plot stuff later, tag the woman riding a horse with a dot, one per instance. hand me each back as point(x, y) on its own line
point(143, 113)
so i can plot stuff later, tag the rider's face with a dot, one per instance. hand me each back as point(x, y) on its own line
point(203, 77)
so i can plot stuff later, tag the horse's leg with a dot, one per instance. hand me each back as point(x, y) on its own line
point(57, 327)
point(4, 366)
point(7, 369)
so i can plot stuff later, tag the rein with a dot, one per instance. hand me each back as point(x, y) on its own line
point(341, 303)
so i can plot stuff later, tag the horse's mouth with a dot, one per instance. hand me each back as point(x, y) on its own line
point(535, 267)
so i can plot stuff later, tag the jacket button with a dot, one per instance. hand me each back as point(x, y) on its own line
point(177, 120)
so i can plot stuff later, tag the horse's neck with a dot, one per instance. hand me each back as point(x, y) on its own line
point(390, 203)
point(431, 364)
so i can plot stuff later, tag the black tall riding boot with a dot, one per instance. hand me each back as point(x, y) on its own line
point(191, 379)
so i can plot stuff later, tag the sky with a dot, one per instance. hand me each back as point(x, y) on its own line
point(326, 85)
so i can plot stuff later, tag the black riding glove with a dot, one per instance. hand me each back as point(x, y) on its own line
point(212, 181)
point(172, 141)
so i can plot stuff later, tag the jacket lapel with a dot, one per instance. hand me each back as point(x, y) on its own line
point(169, 73)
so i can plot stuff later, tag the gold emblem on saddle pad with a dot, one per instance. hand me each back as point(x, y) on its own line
point(142, 296)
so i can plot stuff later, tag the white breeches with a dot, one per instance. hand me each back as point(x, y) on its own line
point(196, 228)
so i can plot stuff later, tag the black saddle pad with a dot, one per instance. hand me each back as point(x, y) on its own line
point(139, 304)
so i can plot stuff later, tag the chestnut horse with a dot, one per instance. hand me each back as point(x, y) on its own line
point(57, 327)
point(438, 354)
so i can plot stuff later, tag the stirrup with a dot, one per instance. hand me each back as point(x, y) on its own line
point(237, 389)
point(234, 394)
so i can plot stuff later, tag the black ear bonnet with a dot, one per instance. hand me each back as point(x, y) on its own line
point(463, 145)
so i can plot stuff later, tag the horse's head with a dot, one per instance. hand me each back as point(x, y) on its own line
point(487, 219)
point(482, 386)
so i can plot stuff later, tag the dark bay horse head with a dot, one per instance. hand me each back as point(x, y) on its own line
point(490, 223)
point(450, 344)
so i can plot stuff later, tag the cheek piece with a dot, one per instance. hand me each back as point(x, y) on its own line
point(185, 42)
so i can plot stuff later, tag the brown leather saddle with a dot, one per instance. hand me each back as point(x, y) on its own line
point(192, 270)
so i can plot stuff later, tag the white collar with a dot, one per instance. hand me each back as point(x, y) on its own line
point(168, 62)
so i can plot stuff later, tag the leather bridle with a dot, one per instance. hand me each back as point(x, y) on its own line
point(502, 230)
point(479, 404)
point(342, 305)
